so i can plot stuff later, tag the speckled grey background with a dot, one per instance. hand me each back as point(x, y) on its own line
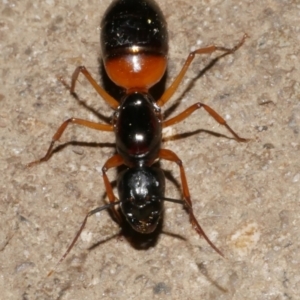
point(246, 196)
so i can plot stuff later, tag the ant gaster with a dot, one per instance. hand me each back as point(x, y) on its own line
point(134, 44)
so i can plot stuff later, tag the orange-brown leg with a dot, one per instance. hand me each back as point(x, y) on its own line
point(171, 156)
point(213, 113)
point(112, 162)
point(173, 87)
point(107, 98)
point(62, 128)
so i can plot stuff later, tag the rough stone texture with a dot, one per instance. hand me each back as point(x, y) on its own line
point(245, 195)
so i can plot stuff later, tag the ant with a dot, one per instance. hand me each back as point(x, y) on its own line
point(134, 44)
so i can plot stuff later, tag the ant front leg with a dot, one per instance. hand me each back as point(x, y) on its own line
point(171, 156)
point(212, 112)
point(113, 162)
point(62, 128)
point(173, 87)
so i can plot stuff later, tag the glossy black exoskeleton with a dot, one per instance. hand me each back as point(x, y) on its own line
point(138, 130)
point(134, 43)
point(133, 25)
point(141, 191)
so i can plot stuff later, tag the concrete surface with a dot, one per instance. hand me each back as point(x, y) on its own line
point(246, 195)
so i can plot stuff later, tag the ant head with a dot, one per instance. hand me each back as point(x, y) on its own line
point(141, 192)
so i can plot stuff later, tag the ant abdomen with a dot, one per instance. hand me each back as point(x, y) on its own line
point(134, 38)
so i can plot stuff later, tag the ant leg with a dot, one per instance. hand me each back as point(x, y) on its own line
point(173, 87)
point(171, 156)
point(113, 162)
point(107, 98)
point(185, 114)
point(62, 128)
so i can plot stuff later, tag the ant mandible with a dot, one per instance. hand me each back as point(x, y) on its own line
point(134, 44)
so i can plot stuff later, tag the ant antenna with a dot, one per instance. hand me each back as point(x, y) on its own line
point(92, 212)
point(194, 221)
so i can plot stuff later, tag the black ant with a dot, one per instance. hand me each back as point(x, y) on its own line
point(134, 43)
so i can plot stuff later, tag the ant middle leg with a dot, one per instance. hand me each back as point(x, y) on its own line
point(185, 114)
point(207, 50)
point(62, 128)
point(171, 156)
